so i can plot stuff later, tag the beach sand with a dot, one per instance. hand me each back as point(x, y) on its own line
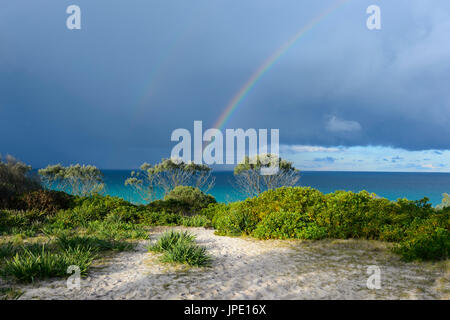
point(245, 268)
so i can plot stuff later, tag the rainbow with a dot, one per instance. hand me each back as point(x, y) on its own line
point(242, 93)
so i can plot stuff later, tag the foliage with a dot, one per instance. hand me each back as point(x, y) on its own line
point(234, 220)
point(196, 221)
point(167, 175)
point(304, 213)
point(264, 172)
point(181, 247)
point(161, 219)
point(18, 221)
point(39, 264)
point(194, 198)
point(445, 202)
point(15, 179)
point(288, 225)
point(429, 244)
point(46, 201)
point(81, 180)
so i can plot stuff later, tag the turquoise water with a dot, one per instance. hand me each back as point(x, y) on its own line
point(413, 186)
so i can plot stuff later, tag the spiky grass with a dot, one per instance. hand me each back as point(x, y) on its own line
point(171, 238)
point(40, 264)
point(91, 242)
point(196, 221)
point(10, 294)
point(180, 247)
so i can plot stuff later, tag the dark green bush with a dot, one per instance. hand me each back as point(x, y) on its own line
point(169, 206)
point(161, 218)
point(15, 179)
point(18, 221)
point(427, 243)
point(46, 200)
point(194, 198)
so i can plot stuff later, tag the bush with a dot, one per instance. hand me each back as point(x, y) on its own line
point(196, 221)
point(280, 225)
point(353, 215)
point(445, 202)
point(18, 221)
point(180, 247)
point(161, 218)
point(289, 199)
point(234, 220)
point(46, 201)
point(431, 244)
point(169, 206)
point(15, 179)
point(288, 225)
point(195, 199)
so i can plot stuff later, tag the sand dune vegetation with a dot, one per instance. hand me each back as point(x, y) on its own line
point(285, 243)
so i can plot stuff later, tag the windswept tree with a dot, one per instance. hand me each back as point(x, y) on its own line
point(81, 180)
point(167, 175)
point(264, 172)
point(445, 202)
point(16, 178)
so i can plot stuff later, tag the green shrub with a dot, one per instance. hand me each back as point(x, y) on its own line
point(46, 201)
point(116, 230)
point(169, 239)
point(31, 265)
point(280, 225)
point(18, 221)
point(289, 199)
point(7, 250)
point(431, 244)
point(194, 198)
point(161, 218)
point(212, 209)
point(196, 221)
point(169, 206)
point(288, 225)
point(312, 232)
point(190, 254)
point(91, 242)
point(15, 179)
point(445, 202)
point(180, 247)
point(234, 220)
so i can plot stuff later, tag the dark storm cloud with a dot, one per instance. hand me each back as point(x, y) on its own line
point(111, 93)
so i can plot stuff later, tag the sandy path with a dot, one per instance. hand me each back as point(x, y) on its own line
point(251, 269)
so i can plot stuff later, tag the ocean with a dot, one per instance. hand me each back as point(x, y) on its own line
point(390, 185)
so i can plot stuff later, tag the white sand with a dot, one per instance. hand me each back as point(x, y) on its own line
point(251, 269)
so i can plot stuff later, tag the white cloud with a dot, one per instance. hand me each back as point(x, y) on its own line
point(334, 124)
point(306, 148)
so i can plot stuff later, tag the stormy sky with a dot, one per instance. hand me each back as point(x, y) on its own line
point(344, 97)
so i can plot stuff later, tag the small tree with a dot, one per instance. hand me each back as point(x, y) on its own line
point(445, 202)
point(167, 175)
point(16, 178)
point(81, 180)
point(250, 180)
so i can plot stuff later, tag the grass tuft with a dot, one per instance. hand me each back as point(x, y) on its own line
point(181, 247)
point(39, 264)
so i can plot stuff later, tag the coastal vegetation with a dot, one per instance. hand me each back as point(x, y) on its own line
point(43, 231)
